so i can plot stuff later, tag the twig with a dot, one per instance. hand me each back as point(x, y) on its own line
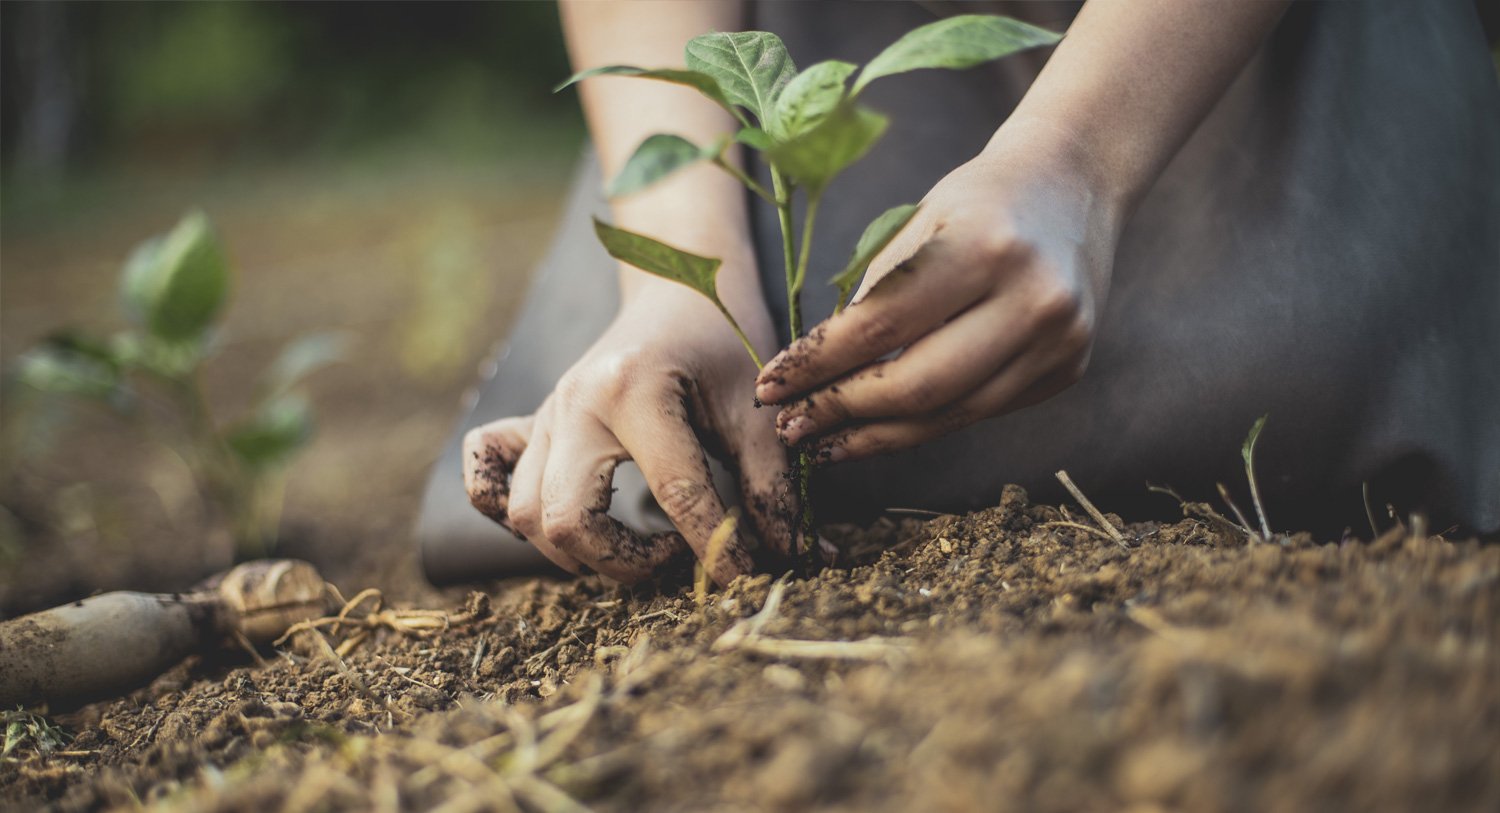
point(746, 636)
point(1200, 511)
point(873, 648)
point(921, 512)
point(716, 542)
point(1079, 527)
point(1244, 524)
point(1109, 528)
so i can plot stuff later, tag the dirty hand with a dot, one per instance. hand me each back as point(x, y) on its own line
point(667, 372)
point(990, 294)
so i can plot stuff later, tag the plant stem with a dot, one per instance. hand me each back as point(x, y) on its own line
point(749, 182)
point(745, 340)
point(794, 274)
point(220, 481)
point(807, 230)
point(789, 252)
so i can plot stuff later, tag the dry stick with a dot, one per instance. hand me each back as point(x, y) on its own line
point(1198, 511)
point(922, 512)
point(1240, 515)
point(1078, 526)
point(1109, 528)
point(745, 636)
point(716, 542)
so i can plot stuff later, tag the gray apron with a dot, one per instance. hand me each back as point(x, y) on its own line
point(1325, 248)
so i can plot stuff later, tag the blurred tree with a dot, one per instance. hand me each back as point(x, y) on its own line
point(101, 82)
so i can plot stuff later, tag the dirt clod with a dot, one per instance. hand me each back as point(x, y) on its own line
point(1039, 664)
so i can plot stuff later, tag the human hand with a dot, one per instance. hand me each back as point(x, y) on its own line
point(1009, 263)
point(666, 372)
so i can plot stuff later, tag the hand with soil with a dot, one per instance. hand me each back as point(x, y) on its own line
point(667, 372)
point(990, 294)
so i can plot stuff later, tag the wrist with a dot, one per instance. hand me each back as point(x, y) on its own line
point(1067, 153)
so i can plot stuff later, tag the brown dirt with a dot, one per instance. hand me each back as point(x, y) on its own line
point(986, 661)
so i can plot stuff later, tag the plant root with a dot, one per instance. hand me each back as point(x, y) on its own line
point(415, 623)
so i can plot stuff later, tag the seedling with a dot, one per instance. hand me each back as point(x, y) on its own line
point(26, 732)
point(173, 288)
point(808, 126)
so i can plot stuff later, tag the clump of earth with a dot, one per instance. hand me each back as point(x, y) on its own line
point(995, 660)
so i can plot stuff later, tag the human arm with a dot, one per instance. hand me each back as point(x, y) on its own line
point(992, 292)
point(668, 372)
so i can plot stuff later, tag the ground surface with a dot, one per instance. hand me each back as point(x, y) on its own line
point(420, 265)
point(983, 661)
point(988, 661)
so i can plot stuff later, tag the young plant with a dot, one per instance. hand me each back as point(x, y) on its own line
point(808, 127)
point(173, 288)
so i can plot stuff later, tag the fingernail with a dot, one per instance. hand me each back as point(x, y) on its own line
point(797, 428)
point(768, 371)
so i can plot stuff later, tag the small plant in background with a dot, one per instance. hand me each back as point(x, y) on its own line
point(26, 732)
point(808, 126)
point(174, 288)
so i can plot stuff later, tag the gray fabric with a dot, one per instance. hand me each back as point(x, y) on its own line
point(572, 299)
point(1326, 249)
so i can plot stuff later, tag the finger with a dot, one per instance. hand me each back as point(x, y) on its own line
point(576, 491)
point(765, 480)
point(937, 370)
point(526, 498)
point(902, 307)
point(1015, 387)
point(658, 436)
point(490, 453)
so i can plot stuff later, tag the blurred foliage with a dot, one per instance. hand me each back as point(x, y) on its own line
point(94, 85)
point(174, 287)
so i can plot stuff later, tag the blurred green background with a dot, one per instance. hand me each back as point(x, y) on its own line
point(391, 170)
point(96, 89)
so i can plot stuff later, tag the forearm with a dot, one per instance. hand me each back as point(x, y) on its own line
point(1132, 80)
point(700, 209)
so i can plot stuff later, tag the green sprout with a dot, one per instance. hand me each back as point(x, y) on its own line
point(25, 731)
point(808, 126)
point(174, 289)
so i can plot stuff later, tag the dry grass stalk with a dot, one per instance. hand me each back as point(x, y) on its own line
point(716, 542)
point(416, 623)
point(1106, 525)
point(745, 636)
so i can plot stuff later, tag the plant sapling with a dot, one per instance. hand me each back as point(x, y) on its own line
point(808, 127)
point(174, 288)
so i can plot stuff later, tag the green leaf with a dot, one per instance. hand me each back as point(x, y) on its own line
point(656, 257)
point(1247, 451)
point(881, 231)
point(656, 158)
point(957, 42)
point(176, 284)
point(72, 364)
point(754, 138)
point(699, 81)
point(270, 437)
point(300, 358)
point(809, 98)
point(750, 66)
point(812, 159)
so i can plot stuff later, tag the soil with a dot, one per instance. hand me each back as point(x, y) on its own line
point(985, 661)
